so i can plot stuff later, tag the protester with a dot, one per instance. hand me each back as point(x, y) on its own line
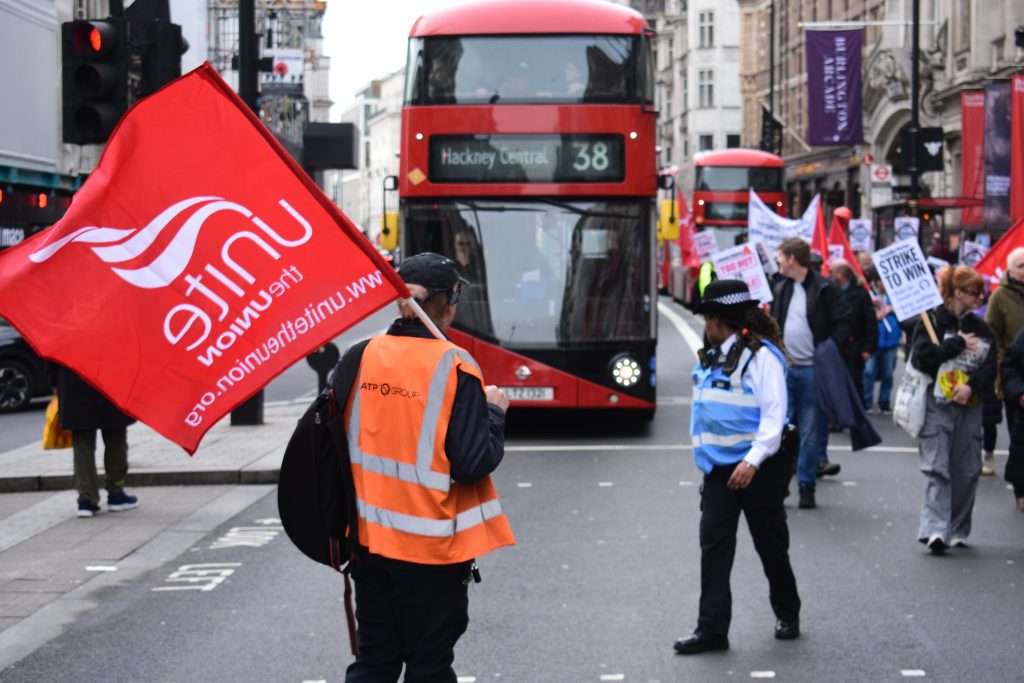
point(962, 365)
point(809, 309)
point(1012, 373)
point(1005, 315)
point(83, 410)
point(882, 363)
point(737, 424)
point(424, 434)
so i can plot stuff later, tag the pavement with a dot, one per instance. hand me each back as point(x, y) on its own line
point(54, 566)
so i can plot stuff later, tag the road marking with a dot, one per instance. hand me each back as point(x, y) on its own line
point(691, 338)
point(613, 677)
point(318, 680)
point(686, 483)
point(524, 484)
point(466, 679)
point(100, 568)
point(199, 577)
point(677, 447)
point(246, 537)
point(913, 673)
point(849, 483)
point(604, 484)
point(762, 674)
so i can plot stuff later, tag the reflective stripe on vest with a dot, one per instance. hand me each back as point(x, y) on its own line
point(437, 528)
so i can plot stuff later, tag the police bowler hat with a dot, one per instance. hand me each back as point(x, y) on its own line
point(725, 296)
point(434, 272)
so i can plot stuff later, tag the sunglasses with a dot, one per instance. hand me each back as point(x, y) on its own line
point(974, 292)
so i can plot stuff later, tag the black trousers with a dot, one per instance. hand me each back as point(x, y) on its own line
point(761, 503)
point(411, 615)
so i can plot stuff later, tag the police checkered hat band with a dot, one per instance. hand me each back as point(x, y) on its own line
point(721, 296)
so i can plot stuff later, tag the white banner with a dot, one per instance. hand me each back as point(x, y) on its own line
point(972, 252)
point(908, 279)
point(705, 244)
point(766, 226)
point(742, 263)
point(860, 234)
point(906, 228)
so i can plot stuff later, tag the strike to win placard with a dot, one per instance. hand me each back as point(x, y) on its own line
point(907, 278)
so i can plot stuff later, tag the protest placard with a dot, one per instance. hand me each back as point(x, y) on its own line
point(972, 252)
point(908, 279)
point(767, 258)
point(906, 228)
point(764, 225)
point(705, 243)
point(835, 252)
point(742, 263)
point(860, 234)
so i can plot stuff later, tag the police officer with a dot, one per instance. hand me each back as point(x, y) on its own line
point(739, 413)
point(424, 433)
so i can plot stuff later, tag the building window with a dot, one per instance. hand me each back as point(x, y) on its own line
point(705, 143)
point(732, 141)
point(706, 22)
point(705, 88)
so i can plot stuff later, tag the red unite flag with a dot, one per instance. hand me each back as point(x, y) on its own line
point(837, 237)
point(819, 242)
point(993, 264)
point(196, 263)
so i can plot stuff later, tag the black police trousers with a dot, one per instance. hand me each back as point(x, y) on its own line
point(408, 614)
point(761, 503)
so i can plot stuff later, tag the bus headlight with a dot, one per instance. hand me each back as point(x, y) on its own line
point(625, 371)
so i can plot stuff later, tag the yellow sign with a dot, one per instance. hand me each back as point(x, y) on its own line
point(668, 222)
point(389, 231)
point(416, 176)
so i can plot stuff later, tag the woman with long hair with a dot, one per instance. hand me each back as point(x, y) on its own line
point(962, 365)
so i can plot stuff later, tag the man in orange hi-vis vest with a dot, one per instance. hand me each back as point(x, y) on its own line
point(424, 433)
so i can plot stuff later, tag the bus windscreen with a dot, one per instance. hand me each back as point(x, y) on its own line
point(526, 69)
point(738, 179)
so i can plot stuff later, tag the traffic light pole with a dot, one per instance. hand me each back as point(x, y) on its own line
point(250, 412)
point(915, 106)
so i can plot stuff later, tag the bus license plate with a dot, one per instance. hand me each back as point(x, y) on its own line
point(530, 393)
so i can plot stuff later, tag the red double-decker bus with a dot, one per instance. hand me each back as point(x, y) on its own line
point(528, 156)
point(718, 186)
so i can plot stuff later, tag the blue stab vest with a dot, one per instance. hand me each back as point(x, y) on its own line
point(725, 415)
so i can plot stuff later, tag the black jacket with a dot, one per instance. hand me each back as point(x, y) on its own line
point(828, 313)
point(927, 357)
point(84, 408)
point(1012, 369)
point(863, 323)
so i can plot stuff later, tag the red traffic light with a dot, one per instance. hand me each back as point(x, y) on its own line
point(94, 38)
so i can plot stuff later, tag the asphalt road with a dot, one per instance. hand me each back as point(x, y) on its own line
point(604, 577)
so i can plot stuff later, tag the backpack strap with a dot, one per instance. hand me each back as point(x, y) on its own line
point(343, 377)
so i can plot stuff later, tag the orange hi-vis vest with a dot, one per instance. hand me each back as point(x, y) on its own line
point(397, 419)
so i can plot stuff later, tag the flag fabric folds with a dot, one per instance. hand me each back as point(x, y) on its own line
point(196, 263)
point(993, 264)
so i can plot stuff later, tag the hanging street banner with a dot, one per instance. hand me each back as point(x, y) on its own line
point(834, 87)
point(197, 262)
point(972, 146)
point(860, 234)
point(742, 263)
point(764, 225)
point(906, 228)
point(1017, 145)
point(997, 154)
point(908, 279)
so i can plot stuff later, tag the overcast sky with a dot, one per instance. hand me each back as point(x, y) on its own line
point(367, 39)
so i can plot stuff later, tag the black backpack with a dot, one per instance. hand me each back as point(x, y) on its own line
point(315, 494)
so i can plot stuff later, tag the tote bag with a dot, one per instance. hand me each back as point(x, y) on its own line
point(53, 435)
point(911, 400)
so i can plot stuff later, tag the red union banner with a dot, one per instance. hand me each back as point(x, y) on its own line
point(972, 175)
point(1017, 150)
point(196, 263)
point(993, 264)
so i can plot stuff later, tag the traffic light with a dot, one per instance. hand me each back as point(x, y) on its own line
point(162, 47)
point(95, 78)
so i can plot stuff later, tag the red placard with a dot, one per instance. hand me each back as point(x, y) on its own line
point(196, 263)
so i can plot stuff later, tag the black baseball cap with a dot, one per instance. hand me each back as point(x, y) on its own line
point(432, 271)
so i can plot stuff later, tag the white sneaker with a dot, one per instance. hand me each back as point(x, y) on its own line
point(958, 543)
point(936, 544)
point(988, 464)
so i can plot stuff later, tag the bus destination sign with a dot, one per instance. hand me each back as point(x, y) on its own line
point(527, 159)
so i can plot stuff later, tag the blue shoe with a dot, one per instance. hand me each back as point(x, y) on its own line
point(121, 501)
point(87, 508)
